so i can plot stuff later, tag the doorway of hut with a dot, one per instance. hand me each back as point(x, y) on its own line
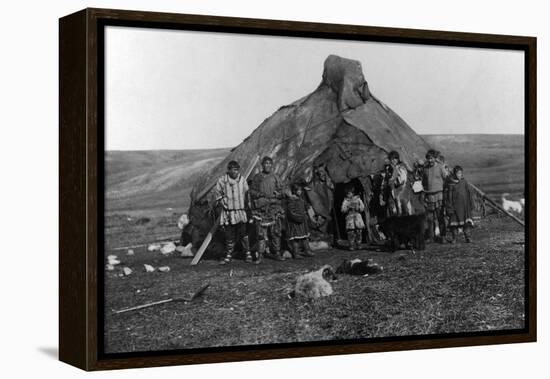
point(340, 190)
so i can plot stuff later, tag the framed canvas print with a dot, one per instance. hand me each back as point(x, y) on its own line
point(242, 189)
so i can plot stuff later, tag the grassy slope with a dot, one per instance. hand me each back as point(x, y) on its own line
point(495, 163)
point(154, 179)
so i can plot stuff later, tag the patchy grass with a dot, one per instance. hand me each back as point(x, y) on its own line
point(444, 289)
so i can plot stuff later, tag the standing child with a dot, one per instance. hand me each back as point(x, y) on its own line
point(352, 206)
point(298, 232)
point(458, 204)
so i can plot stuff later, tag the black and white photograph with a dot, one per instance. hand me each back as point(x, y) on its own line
point(268, 190)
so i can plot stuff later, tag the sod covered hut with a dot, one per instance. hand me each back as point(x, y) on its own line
point(341, 126)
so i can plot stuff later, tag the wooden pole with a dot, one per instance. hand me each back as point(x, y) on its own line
point(148, 305)
point(496, 206)
point(210, 234)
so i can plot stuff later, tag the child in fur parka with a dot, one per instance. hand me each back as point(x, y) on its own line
point(352, 206)
point(298, 232)
point(458, 205)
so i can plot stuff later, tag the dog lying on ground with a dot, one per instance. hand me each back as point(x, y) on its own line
point(407, 230)
point(315, 284)
point(359, 267)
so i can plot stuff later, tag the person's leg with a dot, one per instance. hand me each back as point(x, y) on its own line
point(295, 249)
point(441, 219)
point(242, 235)
point(358, 238)
point(229, 234)
point(261, 234)
point(453, 229)
point(467, 232)
point(430, 226)
point(275, 237)
point(351, 238)
point(306, 247)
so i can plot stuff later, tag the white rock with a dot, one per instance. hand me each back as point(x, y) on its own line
point(109, 267)
point(168, 248)
point(183, 221)
point(318, 245)
point(185, 251)
point(154, 247)
point(149, 268)
point(112, 260)
point(130, 252)
point(127, 271)
point(164, 269)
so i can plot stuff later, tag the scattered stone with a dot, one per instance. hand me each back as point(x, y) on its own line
point(185, 251)
point(130, 252)
point(287, 255)
point(164, 269)
point(318, 245)
point(154, 247)
point(113, 260)
point(127, 271)
point(109, 267)
point(148, 268)
point(168, 248)
point(183, 221)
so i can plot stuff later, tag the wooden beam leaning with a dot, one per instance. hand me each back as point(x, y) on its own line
point(496, 206)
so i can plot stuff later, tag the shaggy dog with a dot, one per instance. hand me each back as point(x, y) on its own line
point(315, 284)
point(405, 230)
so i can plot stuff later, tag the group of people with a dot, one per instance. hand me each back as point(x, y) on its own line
point(442, 192)
point(447, 198)
point(264, 202)
point(261, 203)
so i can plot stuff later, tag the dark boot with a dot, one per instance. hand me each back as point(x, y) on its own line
point(229, 249)
point(261, 251)
point(358, 238)
point(467, 233)
point(306, 248)
point(278, 256)
point(452, 229)
point(295, 249)
point(351, 239)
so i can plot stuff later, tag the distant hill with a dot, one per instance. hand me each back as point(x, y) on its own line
point(495, 163)
point(164, 178)
point(153, 179)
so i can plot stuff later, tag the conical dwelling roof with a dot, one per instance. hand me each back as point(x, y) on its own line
point(341, 124)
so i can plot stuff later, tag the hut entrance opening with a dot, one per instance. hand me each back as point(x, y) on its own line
point(339, 195)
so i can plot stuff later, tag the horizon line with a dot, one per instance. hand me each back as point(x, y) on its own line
point(232, 147)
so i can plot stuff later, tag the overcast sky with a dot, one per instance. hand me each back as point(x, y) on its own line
point(169, 89)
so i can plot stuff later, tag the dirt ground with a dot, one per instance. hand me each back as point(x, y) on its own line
point(444, 289)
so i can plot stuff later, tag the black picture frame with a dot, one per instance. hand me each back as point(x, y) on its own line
point(81, 71)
